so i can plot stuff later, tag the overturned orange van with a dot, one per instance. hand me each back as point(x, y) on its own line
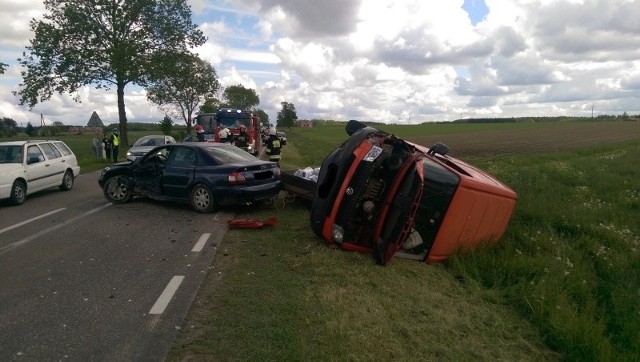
point(380, 194)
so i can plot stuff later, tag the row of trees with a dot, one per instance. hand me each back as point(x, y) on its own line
point(111, 44)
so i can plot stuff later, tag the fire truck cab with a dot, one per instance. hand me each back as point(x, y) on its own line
point(232, 119)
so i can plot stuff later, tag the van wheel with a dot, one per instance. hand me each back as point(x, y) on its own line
point(116, 190)
point(67, 181)
point(18, 193)
point(201, 199)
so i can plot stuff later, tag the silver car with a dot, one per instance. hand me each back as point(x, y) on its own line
point(146, 143)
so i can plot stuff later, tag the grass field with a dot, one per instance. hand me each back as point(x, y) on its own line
point(564, 284)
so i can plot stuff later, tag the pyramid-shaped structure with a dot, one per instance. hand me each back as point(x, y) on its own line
point(95, 121)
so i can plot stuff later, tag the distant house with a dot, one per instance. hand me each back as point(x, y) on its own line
point(306, 124)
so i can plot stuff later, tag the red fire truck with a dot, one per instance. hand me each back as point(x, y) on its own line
point(232, 119)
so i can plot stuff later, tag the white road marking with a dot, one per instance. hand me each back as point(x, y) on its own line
point(167, 295)
point(201, 243)
point(30, 220)
point(8, 247)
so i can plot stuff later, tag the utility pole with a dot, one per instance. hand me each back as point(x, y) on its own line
point(592, 111)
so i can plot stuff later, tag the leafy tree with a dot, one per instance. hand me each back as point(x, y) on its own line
point(166, 125)
point(107, 43)
point(264, 117)
point(3, 67)
point(180, 83)
point(210, 105)
point(30, 130)
point(287, 116)
point(8, 127)
point(239, 97)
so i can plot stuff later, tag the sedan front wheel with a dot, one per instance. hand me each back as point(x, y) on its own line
point(201, 199)
point(116, 190)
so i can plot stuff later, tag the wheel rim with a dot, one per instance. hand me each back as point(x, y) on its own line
point(117, 190)
point(68, 180)
point(18, 193)
point(201, 198)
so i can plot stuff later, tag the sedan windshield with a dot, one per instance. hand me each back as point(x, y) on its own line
point(10, 154)
point(149, 141)
point(230, 154)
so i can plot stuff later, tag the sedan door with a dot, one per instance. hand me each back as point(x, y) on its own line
point(179, 172)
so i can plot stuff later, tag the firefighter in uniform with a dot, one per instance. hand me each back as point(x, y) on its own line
point(200, 133)
point(273, 147)
point(224, 135)
point(242, 140)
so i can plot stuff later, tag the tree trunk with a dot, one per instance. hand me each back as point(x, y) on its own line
point(122, 116)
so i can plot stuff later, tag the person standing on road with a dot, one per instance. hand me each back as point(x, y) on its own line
point(97, 145)
point(199, 132)
point(107, 146)
point(224, 135)
point(115, 143)
point(242, 140)
point(273, 146)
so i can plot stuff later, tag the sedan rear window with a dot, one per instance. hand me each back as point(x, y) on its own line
point(229, 154)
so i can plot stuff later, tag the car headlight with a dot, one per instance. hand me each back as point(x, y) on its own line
point(129, 153)
point(337, 233)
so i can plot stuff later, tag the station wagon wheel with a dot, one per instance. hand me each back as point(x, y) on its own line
point(201, 199)
point(67, 181)
point(116, 190)
point(18, 192)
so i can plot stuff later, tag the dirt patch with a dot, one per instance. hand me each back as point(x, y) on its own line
point(546, 138)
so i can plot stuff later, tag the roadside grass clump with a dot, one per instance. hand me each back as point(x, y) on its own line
point(570, 260)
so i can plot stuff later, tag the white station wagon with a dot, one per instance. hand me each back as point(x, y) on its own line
point(30, 166)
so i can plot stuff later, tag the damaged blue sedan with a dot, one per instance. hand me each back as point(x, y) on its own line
point(205, 175)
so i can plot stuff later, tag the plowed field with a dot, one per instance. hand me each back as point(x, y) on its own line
point(540, 138)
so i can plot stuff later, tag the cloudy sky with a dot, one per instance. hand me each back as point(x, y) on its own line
point(392, 61)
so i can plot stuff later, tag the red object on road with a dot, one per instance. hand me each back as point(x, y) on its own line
point(251, 223)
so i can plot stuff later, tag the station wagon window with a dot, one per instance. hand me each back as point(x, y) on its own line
point(50, 151)
point(63, 148)
point(10, 154)
point(34, 153)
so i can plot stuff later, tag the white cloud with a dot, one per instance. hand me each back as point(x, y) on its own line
point(389, 60)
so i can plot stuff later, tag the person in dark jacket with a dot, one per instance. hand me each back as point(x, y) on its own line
point(273, 146)
point(107, 146)
point(242, 139)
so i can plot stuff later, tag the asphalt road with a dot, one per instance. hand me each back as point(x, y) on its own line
point(82, 279)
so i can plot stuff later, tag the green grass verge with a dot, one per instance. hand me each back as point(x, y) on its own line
point(563, 284)
point(570, 261)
